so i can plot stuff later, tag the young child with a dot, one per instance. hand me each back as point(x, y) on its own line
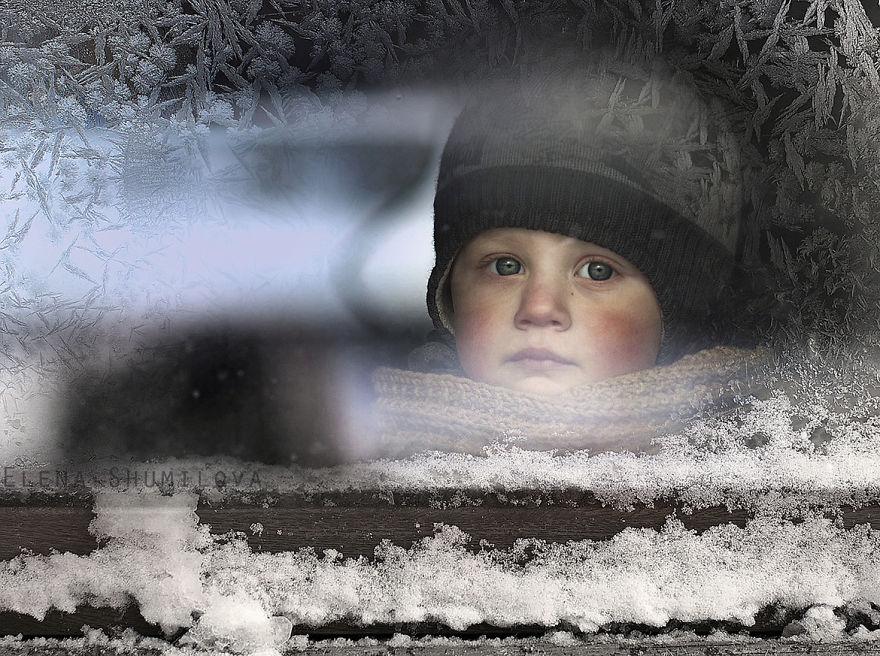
point(586, 226)
point(540, 312)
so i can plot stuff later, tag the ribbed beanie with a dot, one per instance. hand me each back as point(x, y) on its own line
point(628, 157)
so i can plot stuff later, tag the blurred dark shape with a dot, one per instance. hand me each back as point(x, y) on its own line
point(269, 392)
point(272, 394)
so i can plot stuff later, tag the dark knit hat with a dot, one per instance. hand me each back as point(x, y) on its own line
point(625, 157)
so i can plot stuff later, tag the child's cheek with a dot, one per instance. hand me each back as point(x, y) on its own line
point(478, 335)
point(476, 332)
point(626, 341)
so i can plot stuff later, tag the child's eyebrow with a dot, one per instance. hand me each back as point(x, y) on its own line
point(501, 242)
point(496, 244)
point(514, 241)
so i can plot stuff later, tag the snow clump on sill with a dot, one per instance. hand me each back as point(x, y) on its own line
point(151, 557)
point(232, 598)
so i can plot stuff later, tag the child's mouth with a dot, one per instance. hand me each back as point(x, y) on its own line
point(539, 359)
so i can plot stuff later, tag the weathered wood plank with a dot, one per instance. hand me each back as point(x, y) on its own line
point(42, 528)
point(59, 624)
point(356, 530)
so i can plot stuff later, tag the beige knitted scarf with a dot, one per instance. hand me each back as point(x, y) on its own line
point(424, 411)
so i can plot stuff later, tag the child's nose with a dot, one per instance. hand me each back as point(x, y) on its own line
point(543, 303)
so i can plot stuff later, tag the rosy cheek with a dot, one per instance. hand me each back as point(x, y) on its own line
point(478, 335)
point(472, 335)
point(479, 331)
point(625, 341)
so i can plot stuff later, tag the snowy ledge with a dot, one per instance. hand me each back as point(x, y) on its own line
point(148, 546)
point(813, 579)
point(768, 453)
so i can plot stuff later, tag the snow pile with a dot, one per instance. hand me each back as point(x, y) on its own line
point(639, 576)
point(154, 554)
point(150, 557)
point(818, 624)
point(238, 624)
point(248, 602)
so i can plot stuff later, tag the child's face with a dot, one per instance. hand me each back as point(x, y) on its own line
point(515, 289)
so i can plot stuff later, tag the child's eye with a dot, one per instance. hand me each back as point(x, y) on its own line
point(596, 270)
point(507, 266)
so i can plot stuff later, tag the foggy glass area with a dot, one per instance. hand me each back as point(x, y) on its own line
point(248, 285)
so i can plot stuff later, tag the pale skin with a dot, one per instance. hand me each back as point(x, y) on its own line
point(590, 313)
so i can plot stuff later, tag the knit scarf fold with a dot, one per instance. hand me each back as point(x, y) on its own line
point(428, 411)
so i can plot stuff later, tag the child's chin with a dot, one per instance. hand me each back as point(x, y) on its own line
point(539, 385)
